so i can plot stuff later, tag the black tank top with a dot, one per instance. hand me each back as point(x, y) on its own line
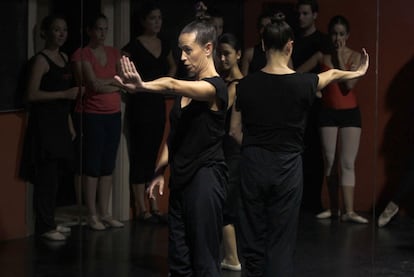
point(56, 79)
point(196, 136)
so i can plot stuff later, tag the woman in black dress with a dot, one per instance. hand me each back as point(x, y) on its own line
point(145, 111)
point(48, 142)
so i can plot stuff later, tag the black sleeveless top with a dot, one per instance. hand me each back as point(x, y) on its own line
point(47, 136)
point(196, 136)
point(56, 79)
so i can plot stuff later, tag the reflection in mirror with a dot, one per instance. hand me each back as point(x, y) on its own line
point(328, 246)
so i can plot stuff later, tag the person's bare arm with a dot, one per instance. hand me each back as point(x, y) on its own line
point(71, 127)
point(311, 63)
point(236, 126)
point(159, 180)
point(172, 67)
point(246, 60)
point(232, 93)
point(130, 80)
point(339, 75)
point(356, 60)
point(96, 84)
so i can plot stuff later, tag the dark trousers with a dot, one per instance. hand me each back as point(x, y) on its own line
point(45, 190)
point(271, 191)
point(195, 225)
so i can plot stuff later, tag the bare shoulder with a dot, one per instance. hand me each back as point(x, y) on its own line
point(40, 63)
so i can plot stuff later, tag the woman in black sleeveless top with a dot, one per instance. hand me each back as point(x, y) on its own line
point(48, 145)
point(194, 153)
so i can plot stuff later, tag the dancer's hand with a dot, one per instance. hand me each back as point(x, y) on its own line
point(158, 181)
point(129, 78)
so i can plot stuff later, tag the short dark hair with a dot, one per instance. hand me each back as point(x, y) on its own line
point(312, 3)
point(338, 19)
point(204, 30)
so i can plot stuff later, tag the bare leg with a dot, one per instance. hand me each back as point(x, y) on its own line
point(78, 189)
point(230, 246)
point(78, 192)
point(104, 194)
point(140, 203)
point(154, 205)
point(348, 151)
point(90, 188)
point(349, 137)
point(329, 140)
point(333, 185)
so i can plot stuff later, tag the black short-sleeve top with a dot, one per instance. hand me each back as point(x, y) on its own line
point(274, 109)
point(196, 135)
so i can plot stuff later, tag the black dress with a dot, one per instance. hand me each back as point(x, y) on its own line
point(145, 113)
point(48, 150)
point(47, 135)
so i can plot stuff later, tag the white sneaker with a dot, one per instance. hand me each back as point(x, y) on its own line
point(326, 214)
point(390, 211)
point(353, 217)
point(95, 224)
point(110, 222)
point(53, 235)
point(63, 229)
point(231, 267)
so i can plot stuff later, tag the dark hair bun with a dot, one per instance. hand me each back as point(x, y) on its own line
point(278, 17)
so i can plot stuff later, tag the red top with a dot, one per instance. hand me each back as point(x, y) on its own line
point(333, 97)
point(94, 102)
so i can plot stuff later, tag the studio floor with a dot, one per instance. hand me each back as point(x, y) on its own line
point(325, 248)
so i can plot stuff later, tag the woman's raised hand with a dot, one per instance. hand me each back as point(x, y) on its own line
point(129, 78)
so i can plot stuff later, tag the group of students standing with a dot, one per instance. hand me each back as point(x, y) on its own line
point(54, 140)
point(83, 87)
point(235, 144)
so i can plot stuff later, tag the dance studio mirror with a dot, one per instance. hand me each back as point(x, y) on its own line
point(325, 247)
